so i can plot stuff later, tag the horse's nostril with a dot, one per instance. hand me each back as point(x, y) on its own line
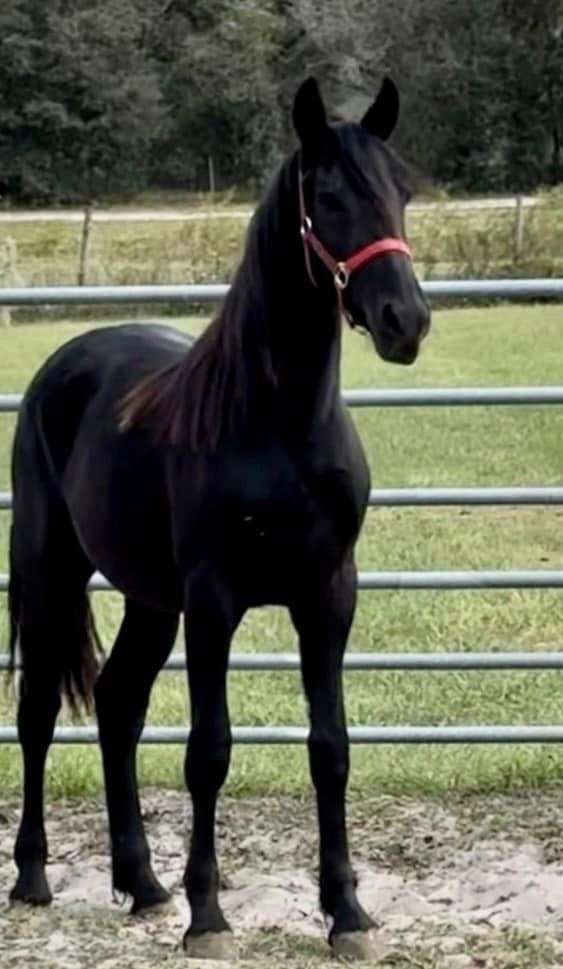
point(391, 319)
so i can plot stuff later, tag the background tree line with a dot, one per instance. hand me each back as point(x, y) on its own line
point(114, 96)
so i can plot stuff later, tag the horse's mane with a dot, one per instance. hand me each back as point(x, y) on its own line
point(193, 400)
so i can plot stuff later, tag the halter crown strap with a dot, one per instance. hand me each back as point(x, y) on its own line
point(343, 269)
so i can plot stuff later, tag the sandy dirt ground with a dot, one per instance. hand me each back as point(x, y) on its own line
point(472, 883)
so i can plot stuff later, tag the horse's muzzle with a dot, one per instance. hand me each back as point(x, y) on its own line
point(402, 327)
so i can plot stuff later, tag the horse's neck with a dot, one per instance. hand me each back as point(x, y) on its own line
point(307, 361)
point(303, 326)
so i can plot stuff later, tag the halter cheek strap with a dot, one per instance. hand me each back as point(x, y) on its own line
point(343, 269)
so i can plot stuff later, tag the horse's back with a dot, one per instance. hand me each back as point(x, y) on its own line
point(78, 368)
point(106, 360)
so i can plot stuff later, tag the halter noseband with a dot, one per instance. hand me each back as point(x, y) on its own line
point(341, 270)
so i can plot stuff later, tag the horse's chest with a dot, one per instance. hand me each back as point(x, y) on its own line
point(297, 523)
point(269, 521)
point(303, 525)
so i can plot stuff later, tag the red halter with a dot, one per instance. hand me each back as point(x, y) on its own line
point(342, 270)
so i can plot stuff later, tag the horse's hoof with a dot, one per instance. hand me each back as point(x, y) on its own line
point(148, 895)
point(357, 947)
point(156, 907)
point(32, 889)
point(218, 946)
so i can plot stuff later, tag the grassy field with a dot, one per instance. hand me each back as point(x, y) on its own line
point(408, 447)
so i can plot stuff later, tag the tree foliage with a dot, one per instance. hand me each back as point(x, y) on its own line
point(81, 102)
point(109, 96)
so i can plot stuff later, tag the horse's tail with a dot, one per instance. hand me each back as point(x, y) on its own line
point(75, 637)
point(50, 622)
point(81, 657)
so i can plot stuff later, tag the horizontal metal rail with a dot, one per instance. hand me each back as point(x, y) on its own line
point(414, 397)
point(489, 734)
point(412, 497)
point(485, 579)
point(494, 287)
point(453, 396)
point(99, 295)
point(211, 293)
point(356, 662)
point(393, 497)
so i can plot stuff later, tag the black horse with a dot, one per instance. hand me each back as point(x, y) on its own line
point(205, 478)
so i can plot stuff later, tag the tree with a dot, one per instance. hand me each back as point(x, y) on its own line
point(222, 92)
point(79, 100)
point(102, 95)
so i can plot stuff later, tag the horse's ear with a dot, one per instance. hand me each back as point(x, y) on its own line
point(309, 115)
point(382, 117)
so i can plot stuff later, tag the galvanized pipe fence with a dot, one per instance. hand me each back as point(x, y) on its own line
point(298, 735)
point(211, 293)
point(388, 497)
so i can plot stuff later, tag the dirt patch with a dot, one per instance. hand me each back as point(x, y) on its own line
point(444, 884)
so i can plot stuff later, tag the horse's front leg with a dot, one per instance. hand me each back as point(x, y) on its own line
point(212, 616)
point(323, 620)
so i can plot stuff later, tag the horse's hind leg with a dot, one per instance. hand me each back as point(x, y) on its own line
point(122, 694)
point(56, 653)
point(39, 704)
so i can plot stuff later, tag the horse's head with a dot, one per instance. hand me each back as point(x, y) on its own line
point(353, 192)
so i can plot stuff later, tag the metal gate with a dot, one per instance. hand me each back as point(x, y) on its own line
point(444, 580)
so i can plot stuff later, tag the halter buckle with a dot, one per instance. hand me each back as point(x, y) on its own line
point(341, 276)
point(306, 227)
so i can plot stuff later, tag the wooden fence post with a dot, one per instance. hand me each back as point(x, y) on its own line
point(519, 229)
point(211, 172)
point(84, 242)
point(9, 274)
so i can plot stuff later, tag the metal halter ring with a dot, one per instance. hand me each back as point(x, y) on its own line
point(306, 227)
point(341, 276)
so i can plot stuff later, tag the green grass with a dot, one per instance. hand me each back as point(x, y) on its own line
point(406, 447)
